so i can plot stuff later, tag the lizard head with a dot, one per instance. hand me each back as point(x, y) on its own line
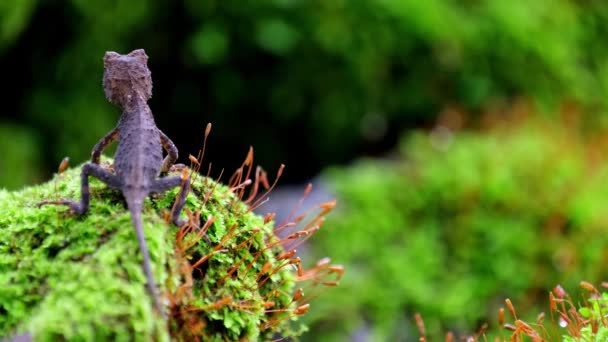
point(125, 76)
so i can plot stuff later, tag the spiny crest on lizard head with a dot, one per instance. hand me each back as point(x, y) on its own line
point(126, 74)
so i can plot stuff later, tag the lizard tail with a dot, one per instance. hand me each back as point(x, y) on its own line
point(135, 207)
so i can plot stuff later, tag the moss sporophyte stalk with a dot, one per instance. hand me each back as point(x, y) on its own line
point(568, 322)
point(236, 277)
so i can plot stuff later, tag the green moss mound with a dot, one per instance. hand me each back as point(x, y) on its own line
point(459, 223)
point(80, 278)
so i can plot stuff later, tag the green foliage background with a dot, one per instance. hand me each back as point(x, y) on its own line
point(308, 83)
point(454, 227)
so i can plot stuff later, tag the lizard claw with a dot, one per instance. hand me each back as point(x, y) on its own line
point(53, 202)
point(177, 167)
point(204, 234)
point(74, 208)
point(180, 223)
point(190, 221)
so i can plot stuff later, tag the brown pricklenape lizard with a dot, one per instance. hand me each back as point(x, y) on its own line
point(138, 160)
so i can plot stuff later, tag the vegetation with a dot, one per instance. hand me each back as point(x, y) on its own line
point(448, 227)
point(461, 221)
point(585, 322)
point(310, 83)
point(80, 278)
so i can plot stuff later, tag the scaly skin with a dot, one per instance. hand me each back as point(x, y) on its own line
point(138, 160)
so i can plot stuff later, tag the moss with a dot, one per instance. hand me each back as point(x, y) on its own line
point(80, 278)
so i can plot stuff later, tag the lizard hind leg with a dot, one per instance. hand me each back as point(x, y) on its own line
point(167, 183)
point(82, 206)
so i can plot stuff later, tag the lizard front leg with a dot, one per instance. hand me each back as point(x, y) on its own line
point(88, 169)
point(102, 144)
point(172, 153)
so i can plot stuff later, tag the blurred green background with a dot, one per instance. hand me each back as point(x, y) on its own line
point(454, 206)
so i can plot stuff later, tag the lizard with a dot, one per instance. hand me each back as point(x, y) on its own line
point(138, 161)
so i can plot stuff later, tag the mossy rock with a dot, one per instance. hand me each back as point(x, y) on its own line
point(64, 277)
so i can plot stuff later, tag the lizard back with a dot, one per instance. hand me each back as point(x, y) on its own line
point(138, 158)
